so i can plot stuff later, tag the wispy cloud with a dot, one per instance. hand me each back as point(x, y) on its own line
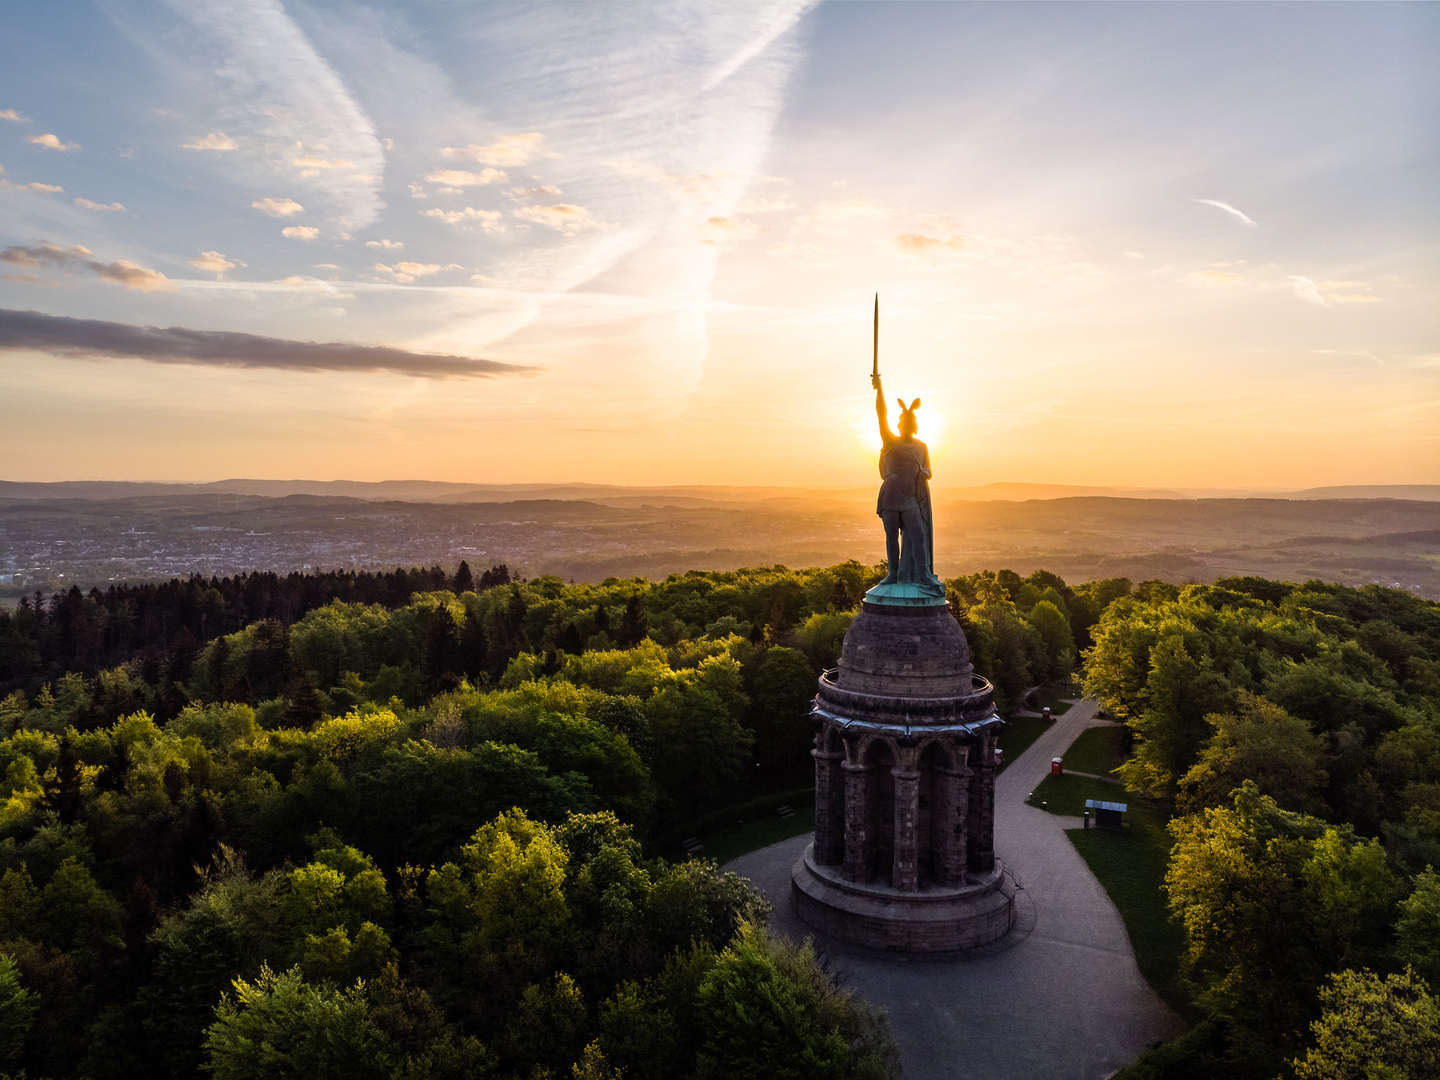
point(93, 338)
point(564, 218)
point(1305, 289)
point(507, 151)
point(274, 90)
point(489, 220)
point(31, 185)
point(722, 229)
point(406, 272)
point(13, 116)
point(121, 272)
point(212, 262)
point(385, 245)
point(277, 207)
point(52, 142)
point(1238, 215)
point(462, 178)
point(923, 244)
point(300, 232)
point(87, 204)
point(1347, 292)
point(215, 141)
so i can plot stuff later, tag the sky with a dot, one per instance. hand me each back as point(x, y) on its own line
point(1137, 245)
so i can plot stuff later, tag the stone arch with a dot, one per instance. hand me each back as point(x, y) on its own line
point(879, 755)
point(933, 809)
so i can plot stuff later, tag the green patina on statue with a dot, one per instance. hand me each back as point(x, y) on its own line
point(904, 504)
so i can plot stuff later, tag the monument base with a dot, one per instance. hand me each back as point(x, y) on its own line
point(936, 918)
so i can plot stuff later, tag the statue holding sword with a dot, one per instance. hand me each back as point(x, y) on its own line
point(904, 501)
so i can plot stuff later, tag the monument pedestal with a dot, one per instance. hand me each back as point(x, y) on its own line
point(933, 918)
point(903, 856)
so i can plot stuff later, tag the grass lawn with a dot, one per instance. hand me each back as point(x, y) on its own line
point(1130, 864)
point(1017, 735)
point(1097, 750)
point(1054, 695)
point(1067, 794)
point(732, 841)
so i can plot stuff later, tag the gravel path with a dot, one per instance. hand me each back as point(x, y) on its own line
point(1064, 1000)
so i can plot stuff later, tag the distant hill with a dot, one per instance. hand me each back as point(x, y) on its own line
point(1419, 492)
point(672, 495)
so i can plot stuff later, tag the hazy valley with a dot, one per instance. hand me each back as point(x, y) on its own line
point(52, 536)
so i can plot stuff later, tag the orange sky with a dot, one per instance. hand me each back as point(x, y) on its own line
point(1101, 260)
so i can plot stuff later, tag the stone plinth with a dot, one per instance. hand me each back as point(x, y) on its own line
point(904, 754)
point(932, 919)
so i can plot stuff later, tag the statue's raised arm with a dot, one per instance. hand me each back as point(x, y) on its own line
point(886, 435)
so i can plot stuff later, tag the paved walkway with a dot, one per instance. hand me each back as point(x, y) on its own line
point(1065, 1002)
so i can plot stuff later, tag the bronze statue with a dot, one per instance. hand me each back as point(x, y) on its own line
point(904, 501)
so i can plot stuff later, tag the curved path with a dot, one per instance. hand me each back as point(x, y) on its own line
point(1066, 1001)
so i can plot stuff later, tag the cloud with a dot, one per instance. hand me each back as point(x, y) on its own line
point(270, 86)
point(326, 266)
point(277, 207)
point(33, 185)
point(406, 272)
point(562, 217)
point(1304, 289)
point(320, 164)
point(1347, 292)
point(489, 220)
point(462, 178)
point(417, 191)
point(212, 262)
point(300, 232)
point(720, 229)
point(92, 338)
point(13, 116)
point(1215, 277)
point(120, 272)
point(51, 142)
point(1132, 254)
point(131, 275)
point(385, 245)
point(920, 243)
point(764, 204)
point(86, 204)
point(507, 151)
point(540, 189)
point(1238, 215)
point(216, 140)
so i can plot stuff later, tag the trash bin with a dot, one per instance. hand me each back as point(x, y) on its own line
point(1055, 767)
point(1045, 712)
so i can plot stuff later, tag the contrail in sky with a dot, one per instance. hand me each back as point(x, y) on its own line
point(1238, 215)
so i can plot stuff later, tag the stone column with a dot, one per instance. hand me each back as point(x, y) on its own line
point(829, 802)
point(956, 783)
point(858, 841)
point(981, 855)
point(905, 870)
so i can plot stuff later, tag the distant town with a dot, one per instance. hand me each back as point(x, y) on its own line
point(51, 541)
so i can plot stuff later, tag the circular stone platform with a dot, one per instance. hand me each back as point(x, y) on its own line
point(937, 918)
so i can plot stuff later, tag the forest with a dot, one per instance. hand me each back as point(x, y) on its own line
point(423, 824)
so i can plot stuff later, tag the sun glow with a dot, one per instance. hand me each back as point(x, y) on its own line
point(931, 429)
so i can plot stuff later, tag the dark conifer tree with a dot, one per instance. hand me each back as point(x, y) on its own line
point(464, 581)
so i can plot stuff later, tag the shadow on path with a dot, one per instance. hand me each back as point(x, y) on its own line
point(1063, 1001)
